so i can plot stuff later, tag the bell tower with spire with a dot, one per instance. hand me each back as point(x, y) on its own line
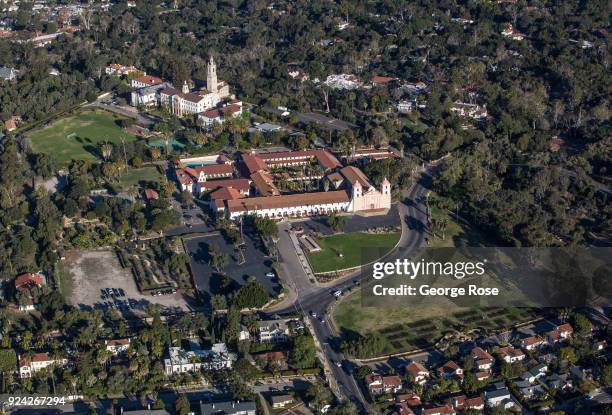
point(211, 76)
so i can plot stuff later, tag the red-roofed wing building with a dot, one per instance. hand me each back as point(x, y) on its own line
point(190, 178)
point(565, 330)
point(253, 163)
point(242, 185)
point(145, 81)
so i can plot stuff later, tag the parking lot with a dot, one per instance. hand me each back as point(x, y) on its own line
point(93, 273)
point(256, 264)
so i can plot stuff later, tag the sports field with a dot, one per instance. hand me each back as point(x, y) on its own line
point(346, 250)
point(77, 137)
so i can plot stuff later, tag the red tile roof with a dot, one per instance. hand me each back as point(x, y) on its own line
point(216, 169)
point(415, 368)
point(439, 410)
point(264, 184)
point(285, 201)
point(151, 194)
point(225, 193)
point(382, 79)
point(118, 342)
point(354, 175)
point(26, 281)
point(254, 162)
point(148, 79)
point(239, 184)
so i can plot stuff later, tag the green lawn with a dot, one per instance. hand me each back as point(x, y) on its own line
point(76, 137)
point(135, 176)
point(413, 328)
point(353, 247)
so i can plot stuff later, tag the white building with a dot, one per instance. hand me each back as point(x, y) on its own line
point(357, 196)
point(145, 81)
point(120, 70)
point(8, 74)
point(181, 361)
point(39, 361)
point(185, 102)
point(274, 331)
point(117, 346)
point(463, 109)
point(405, 107)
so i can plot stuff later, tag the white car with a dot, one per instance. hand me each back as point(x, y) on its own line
point(270, 274)
point(337, 293)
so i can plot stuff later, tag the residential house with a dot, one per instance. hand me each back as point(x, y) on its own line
point(12, 123)
point(498, 397)
point(565, 330)
point(532, 342)
point(117, 346)
point(509, 32)
point(120, 70)
point(383, 80)
point(216, 358)
point(482, 359)
point(272, 331)
point(402, 409)
point(228, 408)
point(528, 389)
point(439, 410)
point(417, 372)
point(281, 401)
point(39, 361)
point(405, 106)
point(409, 398)
point(150, 194)
point(561, 382)
point(462, 403)
point(580, 374)
point(511, 355)
point(450, 370)
point(378, 384)
point(8, 74)
point(469, 110)
point(244, 334)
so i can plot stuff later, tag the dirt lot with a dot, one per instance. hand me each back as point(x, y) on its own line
point(93, 271)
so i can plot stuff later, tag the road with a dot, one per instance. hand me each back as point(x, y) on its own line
point(313, 298)
point(316, 118)
point(144, 120)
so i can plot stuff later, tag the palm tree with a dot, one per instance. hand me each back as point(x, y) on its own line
point(106, 149)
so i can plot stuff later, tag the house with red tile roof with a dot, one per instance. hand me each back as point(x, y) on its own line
point(482, 359)
point(29, 281)
point(39, 361)
point(409, 398)
point(117, 346)
point(450, 370)
point(378, 384)
point(532, 343)
point(511, 355)
point(439, 410)
point(417, 372)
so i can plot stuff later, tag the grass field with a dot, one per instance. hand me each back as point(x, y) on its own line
point(350, 245)
point(76, 137)
point(135, 176)
point(408, 329)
